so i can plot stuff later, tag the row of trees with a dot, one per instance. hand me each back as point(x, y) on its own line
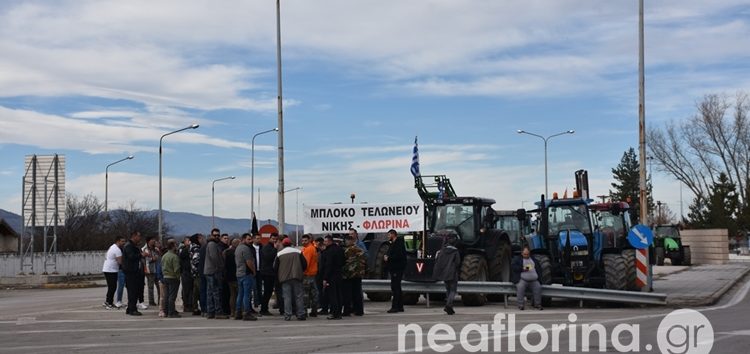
point(88, 227)
point(710, 154)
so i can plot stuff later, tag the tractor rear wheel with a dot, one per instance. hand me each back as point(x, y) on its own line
point(474, 268)
point(379, 273)
point(687, 257)
point(615, 273)
point(500, 267)
point(629, 255)
point(546, 279)
point(659, 252)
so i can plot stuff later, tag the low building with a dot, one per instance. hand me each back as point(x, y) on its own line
point(8, 238)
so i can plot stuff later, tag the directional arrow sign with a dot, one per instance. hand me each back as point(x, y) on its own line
point(640, 236)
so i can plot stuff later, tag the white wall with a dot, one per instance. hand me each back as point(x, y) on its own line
point(68, 263)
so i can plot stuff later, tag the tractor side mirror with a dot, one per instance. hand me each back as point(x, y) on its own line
point(616, 209)
point(521, 214)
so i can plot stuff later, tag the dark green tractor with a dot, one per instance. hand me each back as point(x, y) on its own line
point(668, 244)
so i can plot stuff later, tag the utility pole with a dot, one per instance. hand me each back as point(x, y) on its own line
point(643, 198)
point(281, 121)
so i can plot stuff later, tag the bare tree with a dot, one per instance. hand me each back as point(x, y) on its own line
point(698, 150)
point(663, 215)
point(83, 225)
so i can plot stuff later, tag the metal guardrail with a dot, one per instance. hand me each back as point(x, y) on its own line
point(505, 288)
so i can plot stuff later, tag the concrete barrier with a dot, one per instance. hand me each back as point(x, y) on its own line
point(68, 263)
point(710, 246)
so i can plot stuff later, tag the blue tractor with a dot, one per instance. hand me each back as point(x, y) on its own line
point(569, 249)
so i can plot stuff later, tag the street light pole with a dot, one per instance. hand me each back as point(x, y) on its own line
point(252, 170)
point(161, 217)
point(546, 185)
point(106, 181)
point(213, 189)
point(280, 210)
point(296, 232)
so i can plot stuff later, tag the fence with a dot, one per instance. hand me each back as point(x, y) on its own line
point(68, 263)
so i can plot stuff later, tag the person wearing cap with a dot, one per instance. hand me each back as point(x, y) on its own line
point(290, 266)
point(353, 272)
point(447, 268)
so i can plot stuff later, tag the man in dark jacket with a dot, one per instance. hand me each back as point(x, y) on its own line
point(132, 267)
point(331, 262)
point(526, 273)
point(447, 268)
point(267, 275)
point(396, 264)
point(186, 276)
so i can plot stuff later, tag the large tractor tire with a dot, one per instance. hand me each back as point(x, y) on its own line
point(500, 267)
point(546, 264)
point(687, 257)
point(474, 268)
point(378, 272)
point(659, 252)
point(629, 255)
point(615, 273)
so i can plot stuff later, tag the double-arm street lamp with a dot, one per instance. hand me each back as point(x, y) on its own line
point(106, 181)
point(252, 169)
point(213, 190)
point(194, 126)
point(546, 190)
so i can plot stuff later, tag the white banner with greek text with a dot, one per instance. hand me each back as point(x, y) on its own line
point(338, 218)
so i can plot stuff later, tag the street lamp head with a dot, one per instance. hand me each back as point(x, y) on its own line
point(571, 131)
point(130, 157)
point(275, 129)
point(519, 131)
point(194, 126)
point(232, 177)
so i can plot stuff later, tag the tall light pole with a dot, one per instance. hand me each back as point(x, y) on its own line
point(281, 121)
point(106, 181)
point(161, 217)
point(252, 170)
point(546, 185)
point(213, 190)
point(296, 232)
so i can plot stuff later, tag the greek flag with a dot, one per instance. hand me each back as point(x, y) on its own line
point(415, 160)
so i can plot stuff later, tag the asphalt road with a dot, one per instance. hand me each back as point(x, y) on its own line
point(72, 320)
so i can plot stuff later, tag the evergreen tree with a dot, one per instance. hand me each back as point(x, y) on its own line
point(627, 185)
point(723, 205)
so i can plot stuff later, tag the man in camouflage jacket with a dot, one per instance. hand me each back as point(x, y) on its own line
point(354, 270)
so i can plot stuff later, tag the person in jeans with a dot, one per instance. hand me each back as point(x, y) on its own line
point(396, 264)
point(244, 258)
point(447, 268)
point(171, 269)
point(354, 270)
point(290, 265)
point(132, 266)
point(214, 271)
point(526, 273)
point(111, 267)
point(151, 255)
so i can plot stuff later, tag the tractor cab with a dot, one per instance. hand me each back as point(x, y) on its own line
point(613, 221)
point(464, 216)
point(517, 224)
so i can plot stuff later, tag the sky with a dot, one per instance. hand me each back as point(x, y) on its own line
point(100, 80)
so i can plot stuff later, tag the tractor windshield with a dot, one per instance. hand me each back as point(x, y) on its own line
point(612, 224)
point(667, 231)
point(511, 225)
point(459, 218)
point(568, 217)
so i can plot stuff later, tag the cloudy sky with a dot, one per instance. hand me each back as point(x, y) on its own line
point(100, 80)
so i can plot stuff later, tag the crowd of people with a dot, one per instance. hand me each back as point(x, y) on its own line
point(222, 277)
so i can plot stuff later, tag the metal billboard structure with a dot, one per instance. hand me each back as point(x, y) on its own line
point(43, 209)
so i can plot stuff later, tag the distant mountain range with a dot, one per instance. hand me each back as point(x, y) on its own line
point(180, 223)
